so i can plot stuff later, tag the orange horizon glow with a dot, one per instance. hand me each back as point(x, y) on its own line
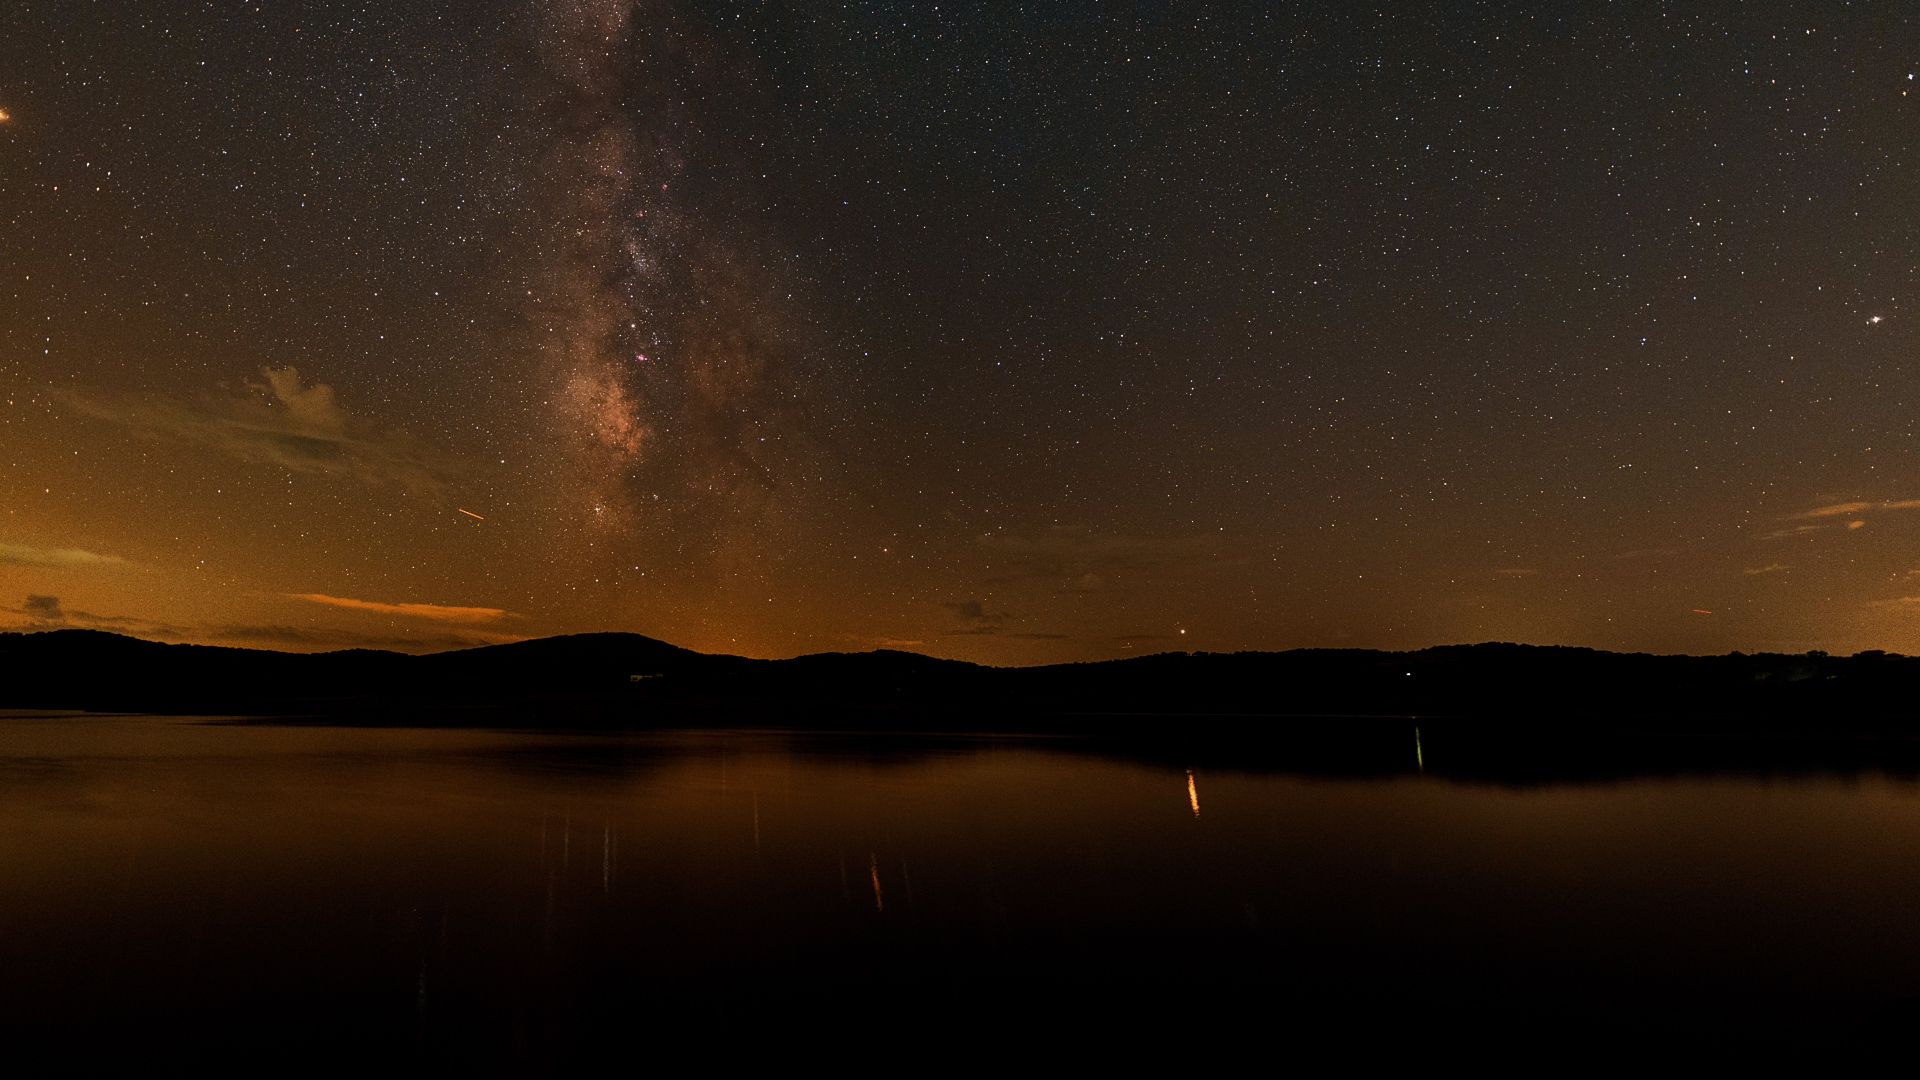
point(425, 611)
point(842, 424)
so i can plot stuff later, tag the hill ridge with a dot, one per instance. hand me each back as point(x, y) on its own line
point(624, 679)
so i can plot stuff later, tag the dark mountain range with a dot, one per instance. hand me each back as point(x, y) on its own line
point(599, 680)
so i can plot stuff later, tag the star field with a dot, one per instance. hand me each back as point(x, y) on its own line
point(1014, 333)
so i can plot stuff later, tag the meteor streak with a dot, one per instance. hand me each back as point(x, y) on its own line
point(471, 514)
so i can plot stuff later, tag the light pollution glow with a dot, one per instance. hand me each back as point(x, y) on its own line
point(759, 339)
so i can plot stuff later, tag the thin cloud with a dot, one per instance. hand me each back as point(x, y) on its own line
point(57, 558)
point(47, 613)
point(281, 422)
point(1847, 508)
point(44, 608)
point(979, 622)
point(1765, 569)
point(309, 637)
point(1000, 631)
point(976, 620)
point(973, 611)
point(1077, 559)
point(423, 611)
point(90, 619)
point(1797, 530)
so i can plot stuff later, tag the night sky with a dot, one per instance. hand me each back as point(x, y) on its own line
point(1013, 333)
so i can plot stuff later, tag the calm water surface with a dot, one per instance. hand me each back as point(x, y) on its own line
point(525, 902)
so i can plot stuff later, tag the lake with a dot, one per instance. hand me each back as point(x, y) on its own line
point(535, 901)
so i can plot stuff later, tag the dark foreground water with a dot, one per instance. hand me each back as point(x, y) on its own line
point(275, 897)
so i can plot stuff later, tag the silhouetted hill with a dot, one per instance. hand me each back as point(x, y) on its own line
point(627, 679)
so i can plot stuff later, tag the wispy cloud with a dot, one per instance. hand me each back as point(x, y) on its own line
point(320, 637)
point(279, 422)
point(423, 611)
point(973, 610)
point(1081, 560)
point(46, 612)
point(43, 608)
point(977, 621)
point(1797, 530)
point(1850, 508)
point(59, 558)
point(1768, 569)
point(974, 618)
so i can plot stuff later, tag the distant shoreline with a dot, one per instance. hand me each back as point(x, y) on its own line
point(589, 681)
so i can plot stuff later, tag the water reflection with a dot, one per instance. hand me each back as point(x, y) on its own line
point(369, 893)
point(606, 860)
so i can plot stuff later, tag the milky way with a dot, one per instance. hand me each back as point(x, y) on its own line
point(1011, 333)
point(663, 330)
